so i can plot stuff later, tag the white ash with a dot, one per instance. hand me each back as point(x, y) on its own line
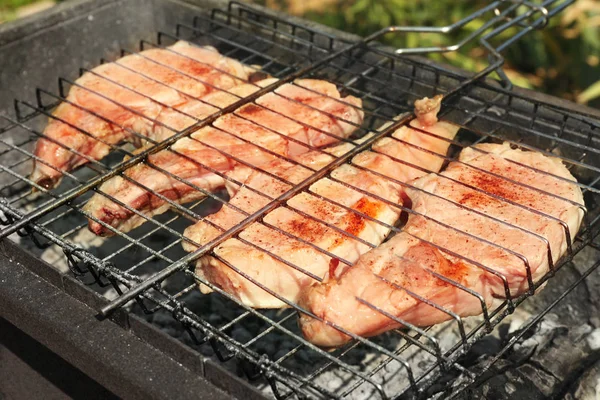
point(587, 386)
point(575, 320)
point(593, 339)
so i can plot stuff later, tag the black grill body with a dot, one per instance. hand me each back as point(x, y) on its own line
point(131, 356)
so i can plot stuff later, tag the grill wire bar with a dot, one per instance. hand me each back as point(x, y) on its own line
point(497, 62)
point(356, 67)
point(65, 198)
point(516, 338)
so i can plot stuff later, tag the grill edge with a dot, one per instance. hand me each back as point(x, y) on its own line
point(526, 93)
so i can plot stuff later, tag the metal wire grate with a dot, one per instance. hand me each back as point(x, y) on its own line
point(150, 261)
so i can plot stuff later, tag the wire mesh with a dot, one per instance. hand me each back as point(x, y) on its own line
point(151, 257)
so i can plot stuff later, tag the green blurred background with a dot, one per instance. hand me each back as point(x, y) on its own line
point(563, 59)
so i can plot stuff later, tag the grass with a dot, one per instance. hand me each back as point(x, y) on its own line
point(563, 59)
point(14, 4)
point(9, 9)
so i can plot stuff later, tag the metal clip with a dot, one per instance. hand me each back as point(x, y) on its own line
point(74, 265)
point(221, 351)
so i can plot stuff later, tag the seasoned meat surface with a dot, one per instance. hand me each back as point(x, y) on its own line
point(321, 231)
point(284, 124)
point(488, 215)
point(153, 94)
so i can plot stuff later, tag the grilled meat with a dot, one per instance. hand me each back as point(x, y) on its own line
point(334, 218)
point(253, 135)
point(257, 190)
point(494, 208)
point(153, 94)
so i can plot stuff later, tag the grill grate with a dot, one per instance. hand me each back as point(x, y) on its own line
point(152, 264)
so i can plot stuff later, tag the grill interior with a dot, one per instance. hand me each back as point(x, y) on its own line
point(267, 344)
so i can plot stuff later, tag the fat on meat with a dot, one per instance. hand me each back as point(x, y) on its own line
point(280, 125)
point(321, 230)
point(478, 220)
point(152, 94)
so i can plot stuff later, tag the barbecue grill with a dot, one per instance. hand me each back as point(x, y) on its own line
point(144, 276)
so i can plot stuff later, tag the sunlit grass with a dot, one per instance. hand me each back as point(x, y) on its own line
point(562, 59)
point(12, 9)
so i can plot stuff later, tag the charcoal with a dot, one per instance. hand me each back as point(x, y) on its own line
point(559, 357)
point(587, 386)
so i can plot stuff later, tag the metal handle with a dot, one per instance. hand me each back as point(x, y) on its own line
point(501, 21)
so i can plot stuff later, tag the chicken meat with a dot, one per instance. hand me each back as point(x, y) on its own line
point(153, 94)
point(253, 135)
point(477, 221)
point(320, 231)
